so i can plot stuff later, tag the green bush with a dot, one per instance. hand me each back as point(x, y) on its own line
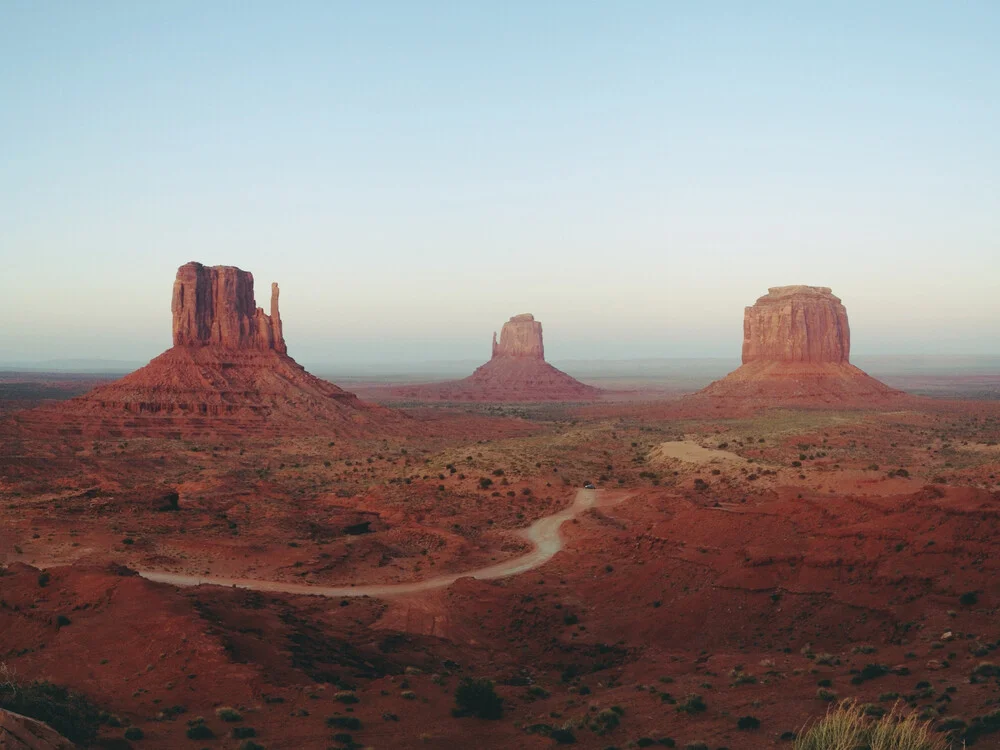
point(477, 698)
point(134, 734)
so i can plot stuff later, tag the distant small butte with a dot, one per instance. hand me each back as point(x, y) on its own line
point(516, 372)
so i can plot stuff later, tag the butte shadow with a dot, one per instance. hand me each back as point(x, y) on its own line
point(227, 372)
point(796, 352)
point(517, 372)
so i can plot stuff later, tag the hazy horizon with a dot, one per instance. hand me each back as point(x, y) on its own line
point(414, 174)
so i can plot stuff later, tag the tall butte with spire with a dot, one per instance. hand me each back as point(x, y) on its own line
point(215, 306)
point(796, 350)
point(228, 370)
point(517, 371)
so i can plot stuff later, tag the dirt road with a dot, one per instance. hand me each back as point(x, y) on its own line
point(543, 533)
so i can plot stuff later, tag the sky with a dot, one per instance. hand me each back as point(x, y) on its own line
point(414, 173)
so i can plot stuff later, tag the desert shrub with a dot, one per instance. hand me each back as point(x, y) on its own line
point(748, 722)
point(982, 725)
point(227, 713)
point(846, 726)
point(134, 734)
point(344, 722)
point(968, 599)
point(477, 698)
point(693, 704)
point(169, 502)
point(605, 721)
point(43, 578)
point(242, 733)
point(199, 731)
point(69, 713)
point(951, 724)
point(870, 672)
point(742, 678)
point(986, 669)
point(345, 696)
point(563, 736)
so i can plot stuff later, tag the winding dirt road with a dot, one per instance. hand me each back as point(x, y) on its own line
point(543, 533)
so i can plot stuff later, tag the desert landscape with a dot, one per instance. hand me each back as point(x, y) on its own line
point(223, 550)
point(435, 375)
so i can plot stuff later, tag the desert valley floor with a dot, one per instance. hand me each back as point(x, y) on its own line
point(733, 574)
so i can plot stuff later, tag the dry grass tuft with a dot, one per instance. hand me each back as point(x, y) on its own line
point(847, 728)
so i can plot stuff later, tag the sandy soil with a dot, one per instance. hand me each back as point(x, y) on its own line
point(691, 452)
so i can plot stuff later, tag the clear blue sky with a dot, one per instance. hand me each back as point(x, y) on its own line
point(413, 173)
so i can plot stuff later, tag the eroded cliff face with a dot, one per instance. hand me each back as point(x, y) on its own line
point(215, 306)
point(797, 324)
point(521, 336)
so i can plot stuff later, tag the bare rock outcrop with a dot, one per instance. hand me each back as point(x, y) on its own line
point(796, 324)
point(21, 733)
point(215, 306)
point(796, 351)
point(521, 336)
point(516, 372)
point(228, 371)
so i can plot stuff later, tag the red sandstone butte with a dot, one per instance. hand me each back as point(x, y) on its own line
point(796, 324)
point(796, 350)
point(516, 372)
point(227, 371)
point(214, 305)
